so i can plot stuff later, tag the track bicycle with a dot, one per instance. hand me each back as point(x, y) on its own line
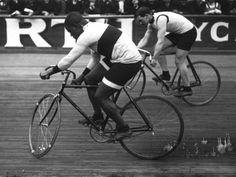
point(157, 125)
point(204, 77)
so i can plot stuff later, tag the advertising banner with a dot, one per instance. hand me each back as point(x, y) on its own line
point(213, 32)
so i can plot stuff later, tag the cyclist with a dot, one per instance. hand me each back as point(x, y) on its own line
point(122, 61)
point(181, 33)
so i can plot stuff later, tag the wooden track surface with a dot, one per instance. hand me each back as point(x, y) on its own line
point(75, 153)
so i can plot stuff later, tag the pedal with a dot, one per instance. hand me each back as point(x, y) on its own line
point(87, 124)
point(84, 124)
point(156, 80)
point(181, 94)
point(112, 140)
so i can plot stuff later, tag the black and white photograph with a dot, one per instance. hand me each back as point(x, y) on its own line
point(117, 88)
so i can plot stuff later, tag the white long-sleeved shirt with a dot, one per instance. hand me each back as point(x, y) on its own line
point(124, 50)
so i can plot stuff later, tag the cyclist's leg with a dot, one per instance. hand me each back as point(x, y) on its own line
point(162, 58)
point(163, 62)
point(184, 44)
point(185, 89)
point(102, 96)
point(115, 79)
point(93, 78)
point(181, 65)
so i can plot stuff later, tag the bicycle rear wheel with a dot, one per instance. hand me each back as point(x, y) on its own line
point(135, 87)
point(207, 89)
point(44, 125)
point(166, 132)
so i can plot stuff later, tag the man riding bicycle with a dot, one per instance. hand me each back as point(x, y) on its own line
point(181, 33)
point(121, 62)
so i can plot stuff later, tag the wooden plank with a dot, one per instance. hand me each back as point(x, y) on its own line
point(75, 153)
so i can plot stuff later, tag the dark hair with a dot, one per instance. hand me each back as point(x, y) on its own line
point(74, 19)
point(142, 11)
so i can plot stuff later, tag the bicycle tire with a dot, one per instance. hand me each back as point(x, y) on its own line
point(41, 137)
point(210, 84)
point(135, 87)
point(168, 128)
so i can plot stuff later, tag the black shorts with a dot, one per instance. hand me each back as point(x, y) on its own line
point(183, 41)
point(119, 73)
point(114, 75)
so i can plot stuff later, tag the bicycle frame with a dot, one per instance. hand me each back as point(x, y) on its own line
point(49, 106)
point(61, 94)
point(198, 81)
point(150, 127)
point(171, 83)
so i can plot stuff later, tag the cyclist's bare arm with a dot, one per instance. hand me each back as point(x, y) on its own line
point(161, 31)
point(144, 41)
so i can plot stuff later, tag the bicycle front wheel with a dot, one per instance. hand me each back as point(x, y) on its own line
point(44, 125)
point(208, 86)
point(158, 133)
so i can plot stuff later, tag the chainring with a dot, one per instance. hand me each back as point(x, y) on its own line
point(102, 136)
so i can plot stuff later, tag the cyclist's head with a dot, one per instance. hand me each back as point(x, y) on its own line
point(74, 23)
point(143, 15)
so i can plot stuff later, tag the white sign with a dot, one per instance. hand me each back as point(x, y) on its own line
point(37, 26)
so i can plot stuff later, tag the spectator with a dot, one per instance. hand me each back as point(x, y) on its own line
point(62, 5)
point(195, 7)
point(3, 7)
point(77, 5)
point(49, 7)
point(167, 6)
point(184, 6)
point(144, 3)
point(225, 6)
point(121, 6)
point(156, 5)
point(100, 6)
point(212, 7)
point(91, 9)
point(112, 7)
point(178, 6)
point(30, 4)
point(228, 7)
point(107, 6)
point(232, 5)
point(130, 6)
point(18, 7)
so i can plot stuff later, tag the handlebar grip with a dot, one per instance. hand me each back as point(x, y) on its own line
point(47, 72)
point(51, 66)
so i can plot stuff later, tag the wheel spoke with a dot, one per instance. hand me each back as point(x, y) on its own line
point(167, 128)
point(209, 86)
point(44, 126)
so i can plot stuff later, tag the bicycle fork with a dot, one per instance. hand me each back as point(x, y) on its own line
point(49, 109)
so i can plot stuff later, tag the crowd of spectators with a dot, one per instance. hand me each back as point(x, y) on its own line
point(86, 7)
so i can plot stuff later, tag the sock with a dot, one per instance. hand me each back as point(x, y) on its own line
point(187, 88)
point(165, 73)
